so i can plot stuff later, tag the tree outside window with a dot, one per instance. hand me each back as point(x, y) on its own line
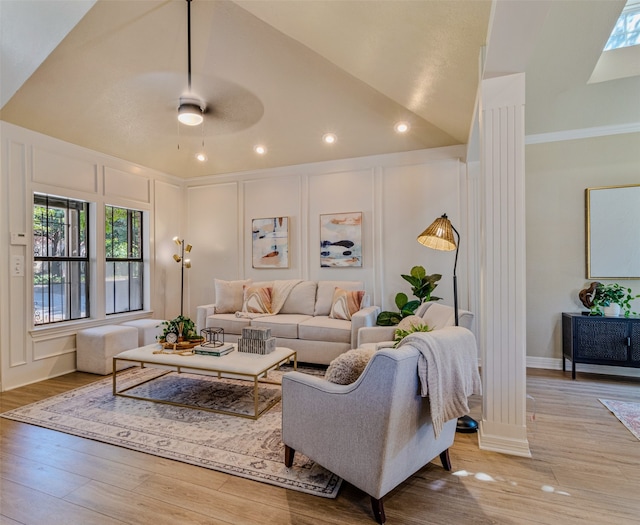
point(60, 259)
point(124, 260)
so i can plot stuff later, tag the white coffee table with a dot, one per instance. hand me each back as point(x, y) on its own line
point(235, 365)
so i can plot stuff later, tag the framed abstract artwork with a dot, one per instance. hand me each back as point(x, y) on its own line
point(341, 240)
point(270, 242)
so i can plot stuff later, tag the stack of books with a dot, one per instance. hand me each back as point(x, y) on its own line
point(215, 351)
point(256, 341)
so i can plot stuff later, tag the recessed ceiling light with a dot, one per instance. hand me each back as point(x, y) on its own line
point(201, 156)
point(260, 150)
point(329, 138)
point(401, 127)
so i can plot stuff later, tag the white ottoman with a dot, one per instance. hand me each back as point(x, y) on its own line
point(148, 330)
point(95, 347)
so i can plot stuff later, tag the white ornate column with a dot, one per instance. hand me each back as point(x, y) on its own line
point(502, 274)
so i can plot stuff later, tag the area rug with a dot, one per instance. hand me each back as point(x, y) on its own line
point(627, 412)
point(231, 444)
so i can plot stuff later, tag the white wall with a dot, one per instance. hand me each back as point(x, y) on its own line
point(399, 196)
point(32, 162)
point(557, 174)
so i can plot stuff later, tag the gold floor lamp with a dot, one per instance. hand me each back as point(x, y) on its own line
point(185, 263)
point(439, 236)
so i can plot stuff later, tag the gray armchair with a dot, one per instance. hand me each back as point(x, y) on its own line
point(373, 433)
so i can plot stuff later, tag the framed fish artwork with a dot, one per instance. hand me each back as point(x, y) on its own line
point(270, 242)
point(341, 240)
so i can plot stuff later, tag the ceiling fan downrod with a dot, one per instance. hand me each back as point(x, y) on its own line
point(190, 110)
point(189, 42)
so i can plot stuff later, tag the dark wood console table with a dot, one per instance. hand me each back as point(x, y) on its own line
point(600, 340)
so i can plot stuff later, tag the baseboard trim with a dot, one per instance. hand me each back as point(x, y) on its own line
point(495, 438)
point(551, 363)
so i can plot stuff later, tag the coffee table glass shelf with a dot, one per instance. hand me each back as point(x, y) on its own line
point(235, 365)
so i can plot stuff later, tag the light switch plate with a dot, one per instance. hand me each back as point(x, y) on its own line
point(17, 265)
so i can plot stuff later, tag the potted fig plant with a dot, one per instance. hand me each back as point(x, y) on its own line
point(422, 285)
point(612, 299)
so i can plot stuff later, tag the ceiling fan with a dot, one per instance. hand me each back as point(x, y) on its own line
point(234, 107)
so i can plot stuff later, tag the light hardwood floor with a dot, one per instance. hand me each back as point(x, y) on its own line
point(585, 469)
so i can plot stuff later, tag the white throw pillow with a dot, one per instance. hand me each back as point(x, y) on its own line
point(409, 321)
point(229, 295)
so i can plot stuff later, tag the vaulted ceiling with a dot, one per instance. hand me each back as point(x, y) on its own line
point(284, 73)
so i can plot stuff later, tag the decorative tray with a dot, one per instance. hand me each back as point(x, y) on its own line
point(181, 345)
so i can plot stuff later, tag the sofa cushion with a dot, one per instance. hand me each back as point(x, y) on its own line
point(301, 300)
point(323, 328)
point(324, 296)
point(257, 300)
point(345, 303)
point(228, 322)
point(282, 325)
point(229, 295)
point(347, 368)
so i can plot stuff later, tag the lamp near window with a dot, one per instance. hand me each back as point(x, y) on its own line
point(439, 236)
point(185, 263)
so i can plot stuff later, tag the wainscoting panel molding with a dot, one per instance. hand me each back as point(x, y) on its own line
point(123, 184)
point(62, 171)
point(53, 346)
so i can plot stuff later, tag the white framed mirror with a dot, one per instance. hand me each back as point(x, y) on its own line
point(613, 232)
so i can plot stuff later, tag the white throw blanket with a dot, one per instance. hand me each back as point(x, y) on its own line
point(280, 292)
point(448, 371)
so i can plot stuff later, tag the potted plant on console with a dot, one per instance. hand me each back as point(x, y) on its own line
point(612, 299)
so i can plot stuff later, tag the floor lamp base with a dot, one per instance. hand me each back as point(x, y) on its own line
point(466, 425)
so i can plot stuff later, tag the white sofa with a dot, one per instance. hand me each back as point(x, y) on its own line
point(302, 323)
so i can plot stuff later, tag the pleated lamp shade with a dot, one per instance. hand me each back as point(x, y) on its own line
point(439, 235)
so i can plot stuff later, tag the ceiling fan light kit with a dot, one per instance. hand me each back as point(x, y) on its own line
point(190, 112)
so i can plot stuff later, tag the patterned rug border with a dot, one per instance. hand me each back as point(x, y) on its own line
point(305, 476)
point(622, 409)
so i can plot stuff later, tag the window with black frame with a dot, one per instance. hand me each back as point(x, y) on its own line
point(60, 259)
point(124, 262)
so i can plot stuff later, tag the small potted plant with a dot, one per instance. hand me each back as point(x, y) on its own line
point(179, 331)
point(611, 299)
